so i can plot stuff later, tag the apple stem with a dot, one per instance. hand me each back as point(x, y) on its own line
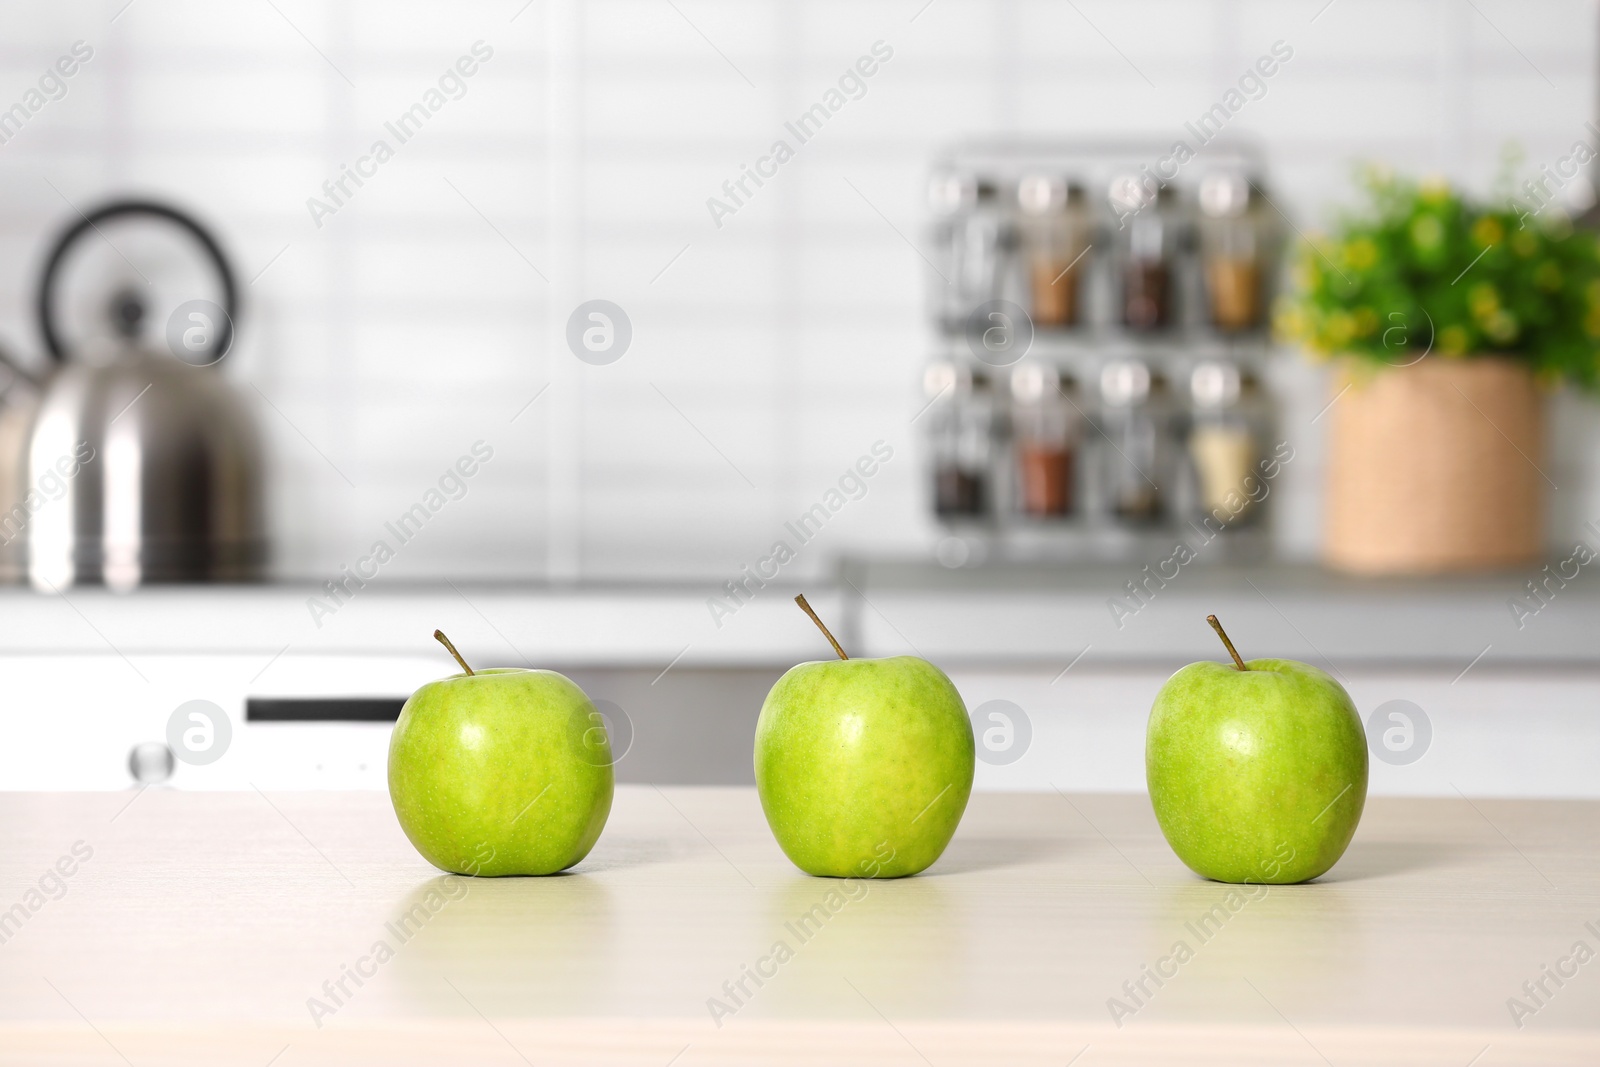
point(445, 641)
point(801, 600)
point(1234, 652)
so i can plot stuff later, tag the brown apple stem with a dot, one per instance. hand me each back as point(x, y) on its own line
point(801, 600)
point(1234, 652)
point(445, 641)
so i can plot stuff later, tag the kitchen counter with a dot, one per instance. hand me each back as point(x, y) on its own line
point(202, 928)
point(1154, 611)
point(990, 615)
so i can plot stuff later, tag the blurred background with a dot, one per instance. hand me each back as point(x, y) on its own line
point(783, 330)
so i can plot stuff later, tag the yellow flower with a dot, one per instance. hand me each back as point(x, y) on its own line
point(1452, 341)
point(1305, 275)
point(1341, 327)
point(1378, 175)
point(1487, 231)
point(1591, 322)
point(1548, 277)
point(1427, 231)
point(1502, 326)
point(1366, 322)
point(1483, 300)
point(1524, 243)
point(1290, 322)
point(1434, 189)
point(1592, 291)
point(1360, 253)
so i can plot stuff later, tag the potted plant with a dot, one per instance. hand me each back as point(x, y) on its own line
point(1448, 321)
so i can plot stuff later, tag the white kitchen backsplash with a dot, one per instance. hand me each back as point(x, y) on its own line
point(397, 317)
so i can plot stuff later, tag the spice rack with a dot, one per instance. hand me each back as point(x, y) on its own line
point(1098, 325)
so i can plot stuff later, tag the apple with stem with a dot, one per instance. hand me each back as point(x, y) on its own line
point(864, 766)
point(500, 771)
point(1257, 771)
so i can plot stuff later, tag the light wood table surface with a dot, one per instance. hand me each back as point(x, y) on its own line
point(203, 923)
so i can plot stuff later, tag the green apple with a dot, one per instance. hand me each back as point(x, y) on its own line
point(864, 766)
point(500, 771)
point(1257, 771)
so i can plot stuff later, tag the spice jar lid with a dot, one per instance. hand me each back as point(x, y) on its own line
point(1214, 384)
point(1224, 194)
point(1041, 194)
point(952, 191)
point(1124, 383)
point(941, 378)
point(1131, 192)
point(1032, 382)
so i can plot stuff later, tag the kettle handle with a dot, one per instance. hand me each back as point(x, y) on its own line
point(87, 222)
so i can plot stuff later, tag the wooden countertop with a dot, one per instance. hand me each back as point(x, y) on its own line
point(202, 923)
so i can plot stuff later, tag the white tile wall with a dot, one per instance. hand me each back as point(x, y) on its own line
point(416, 321)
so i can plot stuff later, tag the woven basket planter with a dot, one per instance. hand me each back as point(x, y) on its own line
point(1434, 468)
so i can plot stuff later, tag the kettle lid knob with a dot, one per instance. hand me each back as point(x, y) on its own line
point(127, 314)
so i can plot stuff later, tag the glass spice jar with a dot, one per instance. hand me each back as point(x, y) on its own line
point(960, 420)
point(952, 196)
point(1055, 236)
point(1226, 433)
point(1136, 425)
point(1045, 436)
point(1232, 240)
point(977, 243)
point(1149, 227)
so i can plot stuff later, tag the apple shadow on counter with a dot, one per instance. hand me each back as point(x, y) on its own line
point(518, 943)
point(1384, 859)
point(972, 854)
point(614, 852)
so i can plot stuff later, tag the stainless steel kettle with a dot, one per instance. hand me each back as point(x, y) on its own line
point(137, 466)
